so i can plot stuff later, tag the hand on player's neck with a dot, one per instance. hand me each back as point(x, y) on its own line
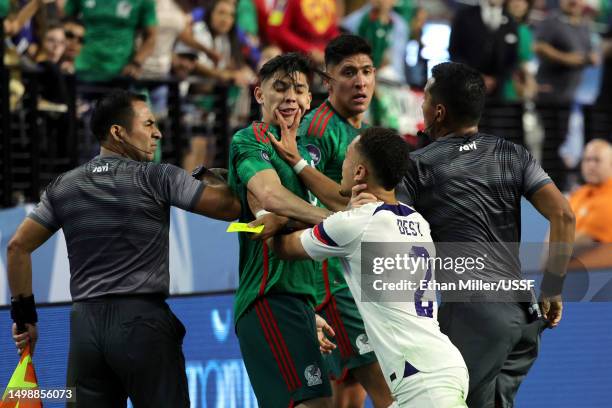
point(386, 196)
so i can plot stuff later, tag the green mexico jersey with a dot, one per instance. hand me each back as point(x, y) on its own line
point(261, 271)
point(111, 30)
point(326, 136)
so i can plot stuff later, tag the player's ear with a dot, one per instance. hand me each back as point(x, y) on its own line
point(258, 93)
point(116, 133)
point(309, 101)
point(440, 113)
point(361, 173)
point(327, 82)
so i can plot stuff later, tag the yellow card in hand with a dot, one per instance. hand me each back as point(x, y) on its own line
point(244, 227)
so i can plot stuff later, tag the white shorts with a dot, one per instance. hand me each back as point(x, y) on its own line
point(446, 388)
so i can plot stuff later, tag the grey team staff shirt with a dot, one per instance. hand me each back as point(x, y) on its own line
point(115, 215)
point(469, 189)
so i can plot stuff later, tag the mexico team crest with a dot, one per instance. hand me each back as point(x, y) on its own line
point(313, 375)
point(363, 344)
point(314, 152)
point(265, 156)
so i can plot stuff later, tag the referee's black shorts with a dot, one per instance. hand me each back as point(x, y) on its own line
point(126, 346)
point(499, 343)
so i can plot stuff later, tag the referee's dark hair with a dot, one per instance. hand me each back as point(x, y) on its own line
point(114, 108)
point(345, 45)
point(288, 63)
point(388, 155)
point(461, 90)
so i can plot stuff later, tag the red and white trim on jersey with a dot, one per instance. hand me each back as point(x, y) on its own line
point(321, 235)
point(266, 269)
point(335, 320)
point(277, 344)
point(320, 119)
point(260, 129)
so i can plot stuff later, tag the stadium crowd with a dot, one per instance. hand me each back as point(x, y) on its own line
point(532, 53)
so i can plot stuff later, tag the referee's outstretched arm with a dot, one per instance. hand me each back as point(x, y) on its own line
point(551, 203)
point(218, 201)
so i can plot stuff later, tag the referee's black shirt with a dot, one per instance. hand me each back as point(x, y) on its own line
point(469, 189)
point(115, 215)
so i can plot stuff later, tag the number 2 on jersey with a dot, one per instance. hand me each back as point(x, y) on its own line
point(424, 309)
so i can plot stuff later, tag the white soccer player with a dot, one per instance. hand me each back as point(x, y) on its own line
point(420, 364)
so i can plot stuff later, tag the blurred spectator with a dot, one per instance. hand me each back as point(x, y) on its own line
point(485, 38)
point(304, 25)
point(605, 94)
point(218, 33)
point(74, 30)
point(13, 23)
point(173, 23)
point(183, 65)
point(111, 28)
point(267, 53)
point(26, 23)
point(406, 9)
point(522, 85)
point(4, 9)
point(416, 65)
point(247, 19)
point(591, 204)
point(53, 44)
point(385, 31)
point(247, 22)
point(564, 45)
point(262, 8)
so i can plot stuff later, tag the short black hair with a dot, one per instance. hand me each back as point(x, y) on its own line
point(114, 108)
point(387, 153)
point(287, 63)
point(344, 46)
point(461, 90)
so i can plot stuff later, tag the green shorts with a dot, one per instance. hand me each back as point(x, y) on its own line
point(353, 348)
point(278, 341)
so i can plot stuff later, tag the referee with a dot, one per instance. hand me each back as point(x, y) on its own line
point(115, 214)
point(468, 186)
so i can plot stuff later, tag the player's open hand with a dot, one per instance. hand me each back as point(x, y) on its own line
point(28, 336)
point(324, 330)
point(552, 309)
point(359, 197)
point(286, 147)
point(272, 223)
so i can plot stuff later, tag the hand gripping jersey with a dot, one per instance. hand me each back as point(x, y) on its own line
point(399, 331)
